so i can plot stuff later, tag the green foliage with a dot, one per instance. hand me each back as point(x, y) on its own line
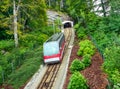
point(112, 58)
point(76, 65)
point(77, 81)
point(30, 16)
point(54, 4)
point(111, 65)
point(6, 45)
point(114, 79)
point(105, 31)
point(93, 23)
point(48, 30)
point(81, 33)
point(29, 67)
point(114, 24)
point(33, 14)
point(5, 19)
point(15, 59)
point(29, 40)
point(11, 61)
point(79, 10)
point(106, 24)
point(1, 78)
point(101, 40)
point(86, 60)
point(86, 47)
point(105, 40)
point(108, 42)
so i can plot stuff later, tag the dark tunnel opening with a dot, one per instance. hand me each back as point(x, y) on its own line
point(67, 25)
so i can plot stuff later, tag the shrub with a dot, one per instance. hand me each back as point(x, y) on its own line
point(76, 26)
point(76, 65)
point(81, 33)
point(77, 81)
point(86, 47)
point(86, 60)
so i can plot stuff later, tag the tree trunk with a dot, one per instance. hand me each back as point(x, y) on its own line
point(61, 4)
point(15, 24)
point(103, 7)
point(49, 3)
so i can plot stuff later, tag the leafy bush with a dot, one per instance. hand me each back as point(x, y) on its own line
point(86, 47)
point(76, 26)
point(86, 60)
point(77, 81)
point(76, 65)
point(81, 33)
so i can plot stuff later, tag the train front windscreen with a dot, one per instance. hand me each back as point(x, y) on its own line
point(50, 48)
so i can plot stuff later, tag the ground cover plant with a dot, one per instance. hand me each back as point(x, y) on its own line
point(81, 33)
point(76, 65)
point(86, 47)
point(77, 81)
point(86, 60)
point(95, 77)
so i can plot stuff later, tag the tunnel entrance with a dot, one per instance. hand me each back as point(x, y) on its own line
point(67, 25)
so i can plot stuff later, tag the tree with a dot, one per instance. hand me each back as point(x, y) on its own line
point(5, 19)
point(24, 14)
point(79, 10)
point(101, 7)
point(15, 12)
point(55, 4)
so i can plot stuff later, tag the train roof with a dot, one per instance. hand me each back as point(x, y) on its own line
point(54, 37)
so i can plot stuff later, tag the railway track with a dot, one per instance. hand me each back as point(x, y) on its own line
point(49, 78)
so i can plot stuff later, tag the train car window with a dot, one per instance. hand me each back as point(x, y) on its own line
point(61, 40)
point(55, 37)
point(51, 48)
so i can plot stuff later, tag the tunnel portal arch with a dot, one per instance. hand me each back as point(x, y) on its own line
point(67, 24)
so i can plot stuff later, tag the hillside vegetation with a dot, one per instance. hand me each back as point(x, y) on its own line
point(24, 28)
point(18, 64)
